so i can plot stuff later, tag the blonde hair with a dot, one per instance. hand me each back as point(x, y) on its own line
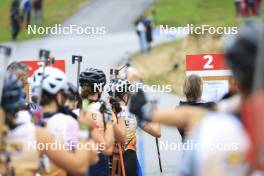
point(192, 87)
point(18, 68)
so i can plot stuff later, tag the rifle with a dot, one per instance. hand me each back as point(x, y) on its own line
point(45, 59)
point(77, 59)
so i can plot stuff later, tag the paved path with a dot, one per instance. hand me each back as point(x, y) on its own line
point(105, 52)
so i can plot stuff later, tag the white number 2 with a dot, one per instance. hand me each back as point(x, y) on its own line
point(208, 64)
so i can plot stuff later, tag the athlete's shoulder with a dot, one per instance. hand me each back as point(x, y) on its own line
point(222, 119)
point(23, 117)
point(63, 125)
point(224, 144)
point(222, 127)
point(25, 128)
point(76, 111)
point(61, 118)
point(95, 106)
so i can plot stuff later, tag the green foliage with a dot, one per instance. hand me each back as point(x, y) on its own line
point(54, 11)
point(197, 12)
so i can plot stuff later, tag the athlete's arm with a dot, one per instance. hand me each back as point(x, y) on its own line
point(97, 136)
point(106, 138)
point(179, 117)
point(153, 129)
point(109, 139)
point(75, 163)
point(120, 130)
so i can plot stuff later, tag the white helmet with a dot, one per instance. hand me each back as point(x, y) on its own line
point(54, 80)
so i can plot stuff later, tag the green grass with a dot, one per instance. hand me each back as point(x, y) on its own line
point(55, 11)
point(197, 12)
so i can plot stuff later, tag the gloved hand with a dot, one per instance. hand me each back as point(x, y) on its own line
point(139, 106)
point(116, 107)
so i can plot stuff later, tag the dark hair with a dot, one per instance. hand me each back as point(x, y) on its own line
point(242, 61)
point(87, 90)
point(46, 98)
